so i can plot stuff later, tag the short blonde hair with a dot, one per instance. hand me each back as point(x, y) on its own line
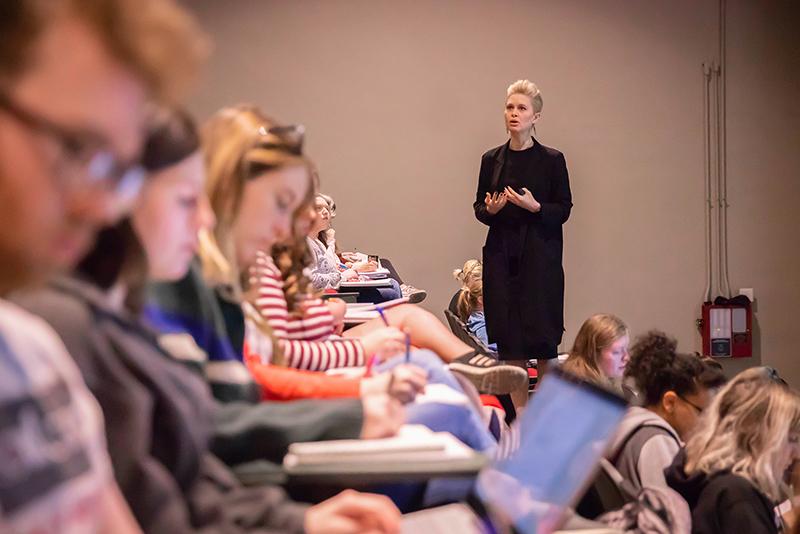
point(745, 430)
point(596, 334)
point(529, 89)
point(471, 278)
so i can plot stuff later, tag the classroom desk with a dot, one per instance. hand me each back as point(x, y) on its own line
point(357, 475)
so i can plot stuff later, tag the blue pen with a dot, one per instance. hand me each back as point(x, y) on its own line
point(408, 348)
point(380, 311)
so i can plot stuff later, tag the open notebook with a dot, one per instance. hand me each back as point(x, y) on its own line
point(569, 423)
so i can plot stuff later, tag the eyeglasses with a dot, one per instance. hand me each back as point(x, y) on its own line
point(82, 160)
point(697, 408)
point(287, 138)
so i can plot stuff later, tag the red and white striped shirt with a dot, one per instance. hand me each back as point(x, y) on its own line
point(305, 341)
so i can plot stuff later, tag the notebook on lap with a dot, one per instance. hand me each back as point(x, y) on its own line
point(563, 434)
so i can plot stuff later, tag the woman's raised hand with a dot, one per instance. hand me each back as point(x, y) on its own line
point(495, 202)
point(524, 201)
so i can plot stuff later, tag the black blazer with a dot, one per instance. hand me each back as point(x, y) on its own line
point(537, 292)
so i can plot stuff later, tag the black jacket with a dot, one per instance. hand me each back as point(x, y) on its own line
point(722, 503)
point(526, 311)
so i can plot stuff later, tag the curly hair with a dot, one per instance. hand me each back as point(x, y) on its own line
point(292, 259)
point(656, 367)
point(746, 429)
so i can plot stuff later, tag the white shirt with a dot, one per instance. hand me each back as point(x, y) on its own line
point(54, 465)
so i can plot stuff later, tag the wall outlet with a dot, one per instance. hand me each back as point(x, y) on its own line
point(747, 292)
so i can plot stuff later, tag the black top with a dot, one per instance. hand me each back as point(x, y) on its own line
point(517, 167)
point(722, 502)
point(523, 279)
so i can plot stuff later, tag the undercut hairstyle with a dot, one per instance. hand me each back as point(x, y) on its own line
point(156, 39)
point(529, 89)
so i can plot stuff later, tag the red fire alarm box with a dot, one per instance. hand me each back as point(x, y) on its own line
point(728, 329)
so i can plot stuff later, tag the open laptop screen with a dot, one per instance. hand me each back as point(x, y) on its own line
point(564, 431)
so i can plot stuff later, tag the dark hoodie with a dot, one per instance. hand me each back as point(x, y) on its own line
point(722, 503)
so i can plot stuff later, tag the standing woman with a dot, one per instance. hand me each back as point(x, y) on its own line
point(524, 198)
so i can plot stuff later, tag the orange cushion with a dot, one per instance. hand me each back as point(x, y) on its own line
point(491, 400)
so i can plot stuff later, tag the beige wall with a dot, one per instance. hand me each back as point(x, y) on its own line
point(400, 100)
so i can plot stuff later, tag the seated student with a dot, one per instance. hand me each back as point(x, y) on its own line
point(283, 274)
point(469, 302)
point(731, 470)
point(600, 351)
point(328, 270)
point(166, 220)
point(674, 389)
point(76, 78)
point(229, 135)
point(231, 250)
point(158, 413)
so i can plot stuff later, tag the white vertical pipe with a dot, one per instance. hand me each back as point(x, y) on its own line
point(722, 149)
point(707, 179)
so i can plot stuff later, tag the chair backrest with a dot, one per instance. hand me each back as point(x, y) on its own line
point(454, 304)
point(463, 333)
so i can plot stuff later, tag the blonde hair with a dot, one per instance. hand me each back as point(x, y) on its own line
point(471, 278)
point(596, 334)
point(237, 147)
point(529, 89)
point(745, 430)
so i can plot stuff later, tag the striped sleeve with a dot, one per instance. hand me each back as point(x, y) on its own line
point(270, 300)
point(315, 324)
point(322, 355)
point(312, 355)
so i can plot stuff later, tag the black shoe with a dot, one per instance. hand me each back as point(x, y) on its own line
point(488, 375)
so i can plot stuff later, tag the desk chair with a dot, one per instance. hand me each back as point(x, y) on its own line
point(465, 334)
point(461, 331)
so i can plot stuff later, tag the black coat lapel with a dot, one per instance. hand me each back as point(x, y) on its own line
point(499, 161)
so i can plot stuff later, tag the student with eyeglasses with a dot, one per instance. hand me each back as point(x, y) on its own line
point(75, 81)
point(162, 423)
point(673, 389)
point(731, 471)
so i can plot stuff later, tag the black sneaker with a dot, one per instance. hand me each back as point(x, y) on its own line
point(488, 375)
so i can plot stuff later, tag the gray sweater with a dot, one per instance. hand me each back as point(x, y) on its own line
point(644, 446)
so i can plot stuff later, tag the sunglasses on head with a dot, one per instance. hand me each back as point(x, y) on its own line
point(287, 138)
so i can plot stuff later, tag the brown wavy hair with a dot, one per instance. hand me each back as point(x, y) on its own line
point(294, 256)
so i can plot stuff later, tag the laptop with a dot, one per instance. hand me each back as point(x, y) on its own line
point(569, 422)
